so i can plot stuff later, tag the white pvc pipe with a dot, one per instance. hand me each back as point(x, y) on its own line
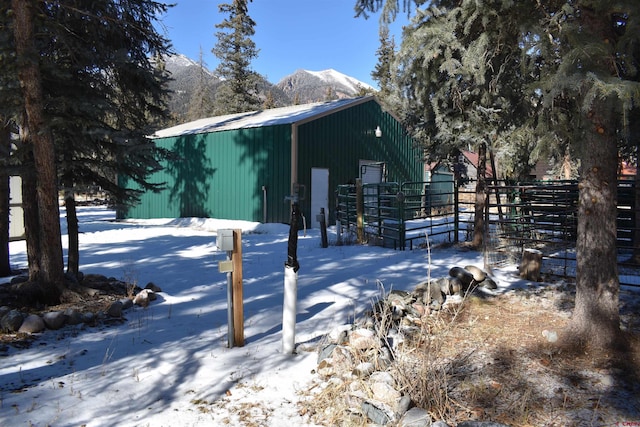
point(289, 310)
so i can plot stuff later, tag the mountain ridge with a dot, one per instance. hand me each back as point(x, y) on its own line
point(190, 79)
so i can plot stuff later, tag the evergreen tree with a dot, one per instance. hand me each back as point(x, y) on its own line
point(235, 49)
point(384, 73)
point(269, 101)
point(590, 59)
point(201, 103)
point(100, 94)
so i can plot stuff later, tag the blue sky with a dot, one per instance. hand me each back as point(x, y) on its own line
point(290, 34)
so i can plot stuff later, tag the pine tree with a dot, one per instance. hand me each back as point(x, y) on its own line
point(101, 96)
point(383, 72)
point(201, 103)
point(235, 49)
point(590, 59)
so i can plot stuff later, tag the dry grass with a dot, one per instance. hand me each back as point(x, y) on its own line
point(488, 359)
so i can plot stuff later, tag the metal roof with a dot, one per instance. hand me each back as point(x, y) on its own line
point(276, 116)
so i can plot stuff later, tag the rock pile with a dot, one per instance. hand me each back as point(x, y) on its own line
point(14, 320)
point(358, 357)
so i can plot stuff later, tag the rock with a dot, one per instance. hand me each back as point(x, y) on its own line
point(383, 377)
point(153, 287)
point(325, 368)
point(375, 414)
point(456, 286)
point(54, 319)
point(430, 295)
point(115, 309)
point(326, 352)
point(403, 405)
point(551, 336)
point(488, 283)
point(465, 277)
point(144, 297)
point(12, 321)
point(363, 339)
point(127, 303)
point(478, 274)
point(4, 310)
point(32, 324)
point(385, 393)
point(440, 424)
point(363, 370)
point(339, 334)
point(415, 417)
point(88, 318)
point(74, 317)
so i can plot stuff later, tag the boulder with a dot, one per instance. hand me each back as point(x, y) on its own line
point(465, 277)
point(115, 309)
point(478, 274)
point(363, 339)
point(32, 324)
point(54, 319)
point(488, 283)
point(12, 321)
point(153, 287)
point(415, 417)
point(74, 317)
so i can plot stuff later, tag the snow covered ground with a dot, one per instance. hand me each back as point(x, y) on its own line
point(169, 364)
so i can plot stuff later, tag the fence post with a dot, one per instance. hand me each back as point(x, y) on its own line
point(456, 211)
point(359, 210)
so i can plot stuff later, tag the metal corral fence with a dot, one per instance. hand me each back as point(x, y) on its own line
point(543, 216)
point(398, 214)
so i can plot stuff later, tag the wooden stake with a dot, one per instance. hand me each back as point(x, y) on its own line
point(236, 277)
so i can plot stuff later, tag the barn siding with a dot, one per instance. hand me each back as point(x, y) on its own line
point(338, 141)
point(220, 175)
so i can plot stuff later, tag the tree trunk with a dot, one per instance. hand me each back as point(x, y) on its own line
point(596, 320)
point(481, 198)
point(31, 220)
point(5, 146)
point(51, 263)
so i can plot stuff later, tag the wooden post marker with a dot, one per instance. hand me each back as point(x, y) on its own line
point(236, 277)
point(231, 242)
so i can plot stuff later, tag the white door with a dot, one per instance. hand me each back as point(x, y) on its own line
point(319, 195)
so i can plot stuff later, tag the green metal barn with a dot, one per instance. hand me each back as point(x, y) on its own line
point(247, 166)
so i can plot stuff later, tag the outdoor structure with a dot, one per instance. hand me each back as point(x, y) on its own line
point(16, 215)
point(248, 166)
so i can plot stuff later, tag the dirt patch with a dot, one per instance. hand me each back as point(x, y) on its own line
point(507, 362)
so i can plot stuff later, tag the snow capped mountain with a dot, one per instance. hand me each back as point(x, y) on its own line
point(179, 61)
point(333, 77)
point(311, 86)
point(301, 87)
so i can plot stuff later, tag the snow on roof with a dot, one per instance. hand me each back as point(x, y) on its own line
point(261, 118)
